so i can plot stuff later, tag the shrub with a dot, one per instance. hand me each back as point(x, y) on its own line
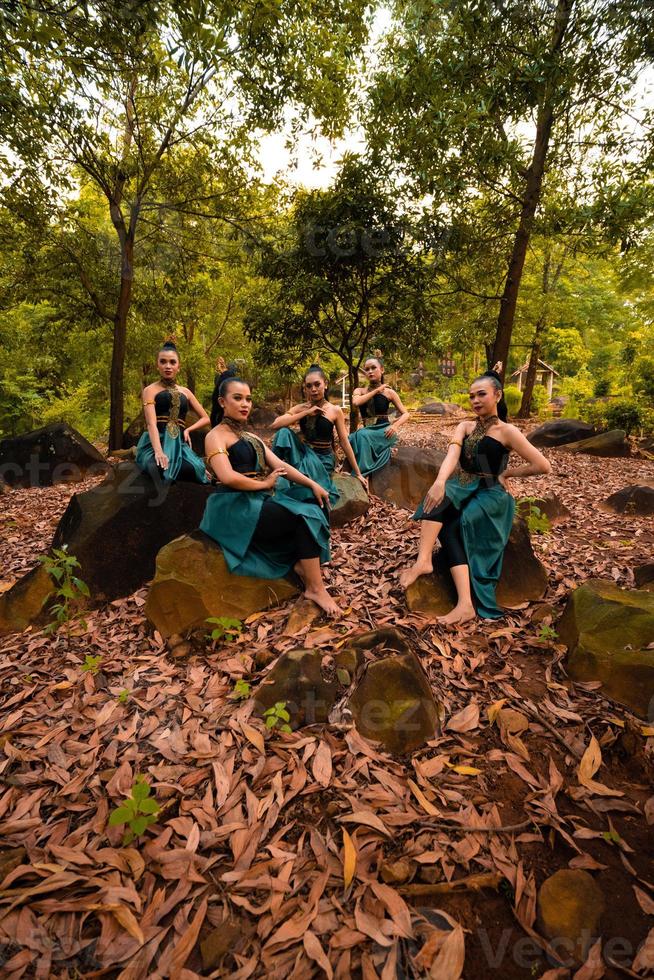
point(602, 387)
point(539, 400)
point(624, 415)
point(513, 399)
point(593, 412)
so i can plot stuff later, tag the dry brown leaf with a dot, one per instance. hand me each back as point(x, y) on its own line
point(465, 720)
point(645, 957)
point(321, 764)
point(315, 952)
point(593, 968)
point(349, 858)
point(367, 818)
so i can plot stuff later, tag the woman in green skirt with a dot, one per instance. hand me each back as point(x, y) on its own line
point(472, 513)
point(373, 443)
point(312, 452)
point(164, 449)
point(263, 532)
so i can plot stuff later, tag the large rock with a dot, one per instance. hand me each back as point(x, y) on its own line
point(136, 428)
point(116, 529)
point(55, 454)
point(435, 408)
point(612, 443)
point(570, 906)
point(553, 508)
point(192, 583)
point(393, 704)
point(635, 500)
point(353, 501)
point(523, 578)
point(297, 680)
point(408, 476)
point(24, 602)
point(644, 576)
point(607, 631)
point(559, 432)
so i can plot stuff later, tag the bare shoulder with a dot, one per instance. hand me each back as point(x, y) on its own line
point(215, 439)
point(150, 390)
point(512, 432)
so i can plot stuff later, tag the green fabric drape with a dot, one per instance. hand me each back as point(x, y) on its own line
point(371, 447)
point(317, 466)
point(177, 452)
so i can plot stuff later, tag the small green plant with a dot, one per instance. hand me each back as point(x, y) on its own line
point(70, 589)
point(537, 521)
point(278, 717)
point(137, 812)
point(625, 415)
point(123, 696)
point(91, 664)
point(547, 633)
point(241, 690)
point(224, 628)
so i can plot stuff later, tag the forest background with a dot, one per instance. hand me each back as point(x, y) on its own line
point(493, 199)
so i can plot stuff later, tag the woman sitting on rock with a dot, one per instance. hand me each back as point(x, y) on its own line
point(263, 532)
point(373, 443)
point(164, 449)
point(312, 453)
point(472, 513)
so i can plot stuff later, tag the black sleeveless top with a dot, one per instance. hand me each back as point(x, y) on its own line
point(242, 456)
point(489, 458)
point(318, 429)
point(377, 405)
point(162, 402)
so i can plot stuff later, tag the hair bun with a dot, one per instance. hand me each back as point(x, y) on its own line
point(313, 367)
point(228, 373)
point(169, 343)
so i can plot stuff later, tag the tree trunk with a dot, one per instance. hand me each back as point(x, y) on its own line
point(116, 375)
point(528, 391)
point(530, 199)
point(353, 381)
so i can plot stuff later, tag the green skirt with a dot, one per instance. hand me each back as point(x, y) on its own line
point(177, 452)
point(371, 447)
point(231, 516)
point(486, 521)
point(317, 466)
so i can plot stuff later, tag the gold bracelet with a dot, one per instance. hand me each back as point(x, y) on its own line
point(217, 452)
point(147, 403)
point(455, 443)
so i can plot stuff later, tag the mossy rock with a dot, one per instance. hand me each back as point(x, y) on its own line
point(612, 443)
point(607, 631)
point(297, 680)
point(192, 583)
point(644, 576)
point(353, 501)
point(634, 501)
point(404, 481)
point(24, 603)
point(560, 432)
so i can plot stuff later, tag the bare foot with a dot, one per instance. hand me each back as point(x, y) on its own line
point(322, 598)
point(409, 575)
point(460, 614)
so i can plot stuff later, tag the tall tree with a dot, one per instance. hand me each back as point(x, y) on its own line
point(114, 92)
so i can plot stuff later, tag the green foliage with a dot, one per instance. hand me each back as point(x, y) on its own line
point(624, 415)
point(537, 521)
point(539, 400)
point(513, 399)
point(241, 690)
point(91, 664)
point(224, 628)
point(547, 634)
point(70, 590)
point(643, 379)
point(123, 696)
point(278, 717)
point(602, 387)
point(565, 350)
point(137, 812)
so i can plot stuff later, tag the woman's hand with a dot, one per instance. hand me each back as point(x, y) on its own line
point(390, 432)
point(362, 480)
point(161, 459)
point(497, 367)
point(314, 410)
point(269, 482)
point(506, 483)
point(321, 495)
point(433, 497)
point(187, 438)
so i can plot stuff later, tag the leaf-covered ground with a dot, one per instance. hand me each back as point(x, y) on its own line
point(316, 854)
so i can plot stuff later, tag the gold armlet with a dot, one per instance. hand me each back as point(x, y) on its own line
point(147, 403)
point(217, 452)
point(453, 442)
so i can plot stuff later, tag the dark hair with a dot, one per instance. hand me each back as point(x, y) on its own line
point(496, 381)
point(315, 369)
point(220, 388)
point(375, 357)
point(169, 345)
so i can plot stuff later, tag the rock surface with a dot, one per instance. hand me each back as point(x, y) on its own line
point(570, 906)
point(393, 704)
point(23, 603)
point(297, 679)
point(523, 578)
point(607, 631)
point(644, 576)
point(635, 500)
point(192, 582)
point(435, 408)
point(45, 457)
point(116, 529)
point(408, 476)
point(553, 508)
point(611, 444)
point(559, 432)
point(352, 503)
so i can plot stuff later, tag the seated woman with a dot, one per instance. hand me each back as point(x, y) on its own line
point(262, 533)
point(312, 453)
point(372, 444)
point(472, 513)
point(164, 449)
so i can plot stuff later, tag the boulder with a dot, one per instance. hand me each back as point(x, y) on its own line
point(192, 583)
point(54, 454)
point(559, 432)
point(608, 632)
point(435, 408)
point(116, 529)
point(612, 443)
point(264, 415)
point(297, 680)
point(644, 576)
point(408, 476)
point(637, 501)
point(570, 905)
point(353, 501)
point(24, 602)
point(136, 428)
point(393, 704)
point(553, 508)
point(523, 578)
